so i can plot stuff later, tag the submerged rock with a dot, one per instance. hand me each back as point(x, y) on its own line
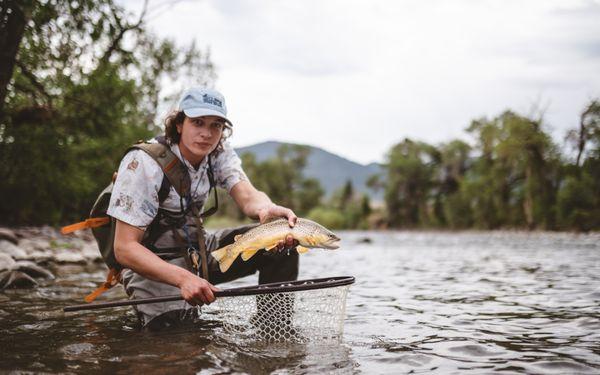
point(20, 274)
point(69, 256)
point(364, 240)
point(31, 245)
point(9, 235)
point(33, 269)
point(7, 263)
point(90, 252)
point(16, 279)
point(11, 249)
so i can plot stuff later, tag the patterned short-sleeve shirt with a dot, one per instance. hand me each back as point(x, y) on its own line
point(134, 197)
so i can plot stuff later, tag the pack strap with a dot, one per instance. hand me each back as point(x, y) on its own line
point(201, 242)
point(173, 168)
point(112, 279)
point(92, 222)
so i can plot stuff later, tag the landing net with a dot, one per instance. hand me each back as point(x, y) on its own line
point(298, 311)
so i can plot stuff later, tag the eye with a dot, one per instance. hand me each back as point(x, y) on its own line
point(217, 125)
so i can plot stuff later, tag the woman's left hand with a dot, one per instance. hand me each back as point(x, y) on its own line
point(274, 211)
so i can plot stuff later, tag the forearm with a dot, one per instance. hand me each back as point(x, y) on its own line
point(255, 204)
point(135, 256)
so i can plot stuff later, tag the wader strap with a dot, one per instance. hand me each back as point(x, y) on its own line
point(183, 249)
point(201, 242)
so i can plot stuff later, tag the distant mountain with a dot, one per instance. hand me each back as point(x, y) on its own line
point(331, 170)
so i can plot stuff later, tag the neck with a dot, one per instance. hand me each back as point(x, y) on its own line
point(192, 158)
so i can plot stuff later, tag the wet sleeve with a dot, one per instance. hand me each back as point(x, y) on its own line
point(134, 198)
point(228, 168)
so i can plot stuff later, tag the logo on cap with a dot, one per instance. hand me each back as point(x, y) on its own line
point(212, 100)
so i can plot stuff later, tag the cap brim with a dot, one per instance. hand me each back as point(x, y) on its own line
point(199, 112)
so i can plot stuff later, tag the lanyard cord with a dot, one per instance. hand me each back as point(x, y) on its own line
point(192, 251)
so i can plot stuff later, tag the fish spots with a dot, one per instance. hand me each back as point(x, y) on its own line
point(133, 165)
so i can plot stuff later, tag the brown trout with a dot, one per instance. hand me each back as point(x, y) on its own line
point(266, 236)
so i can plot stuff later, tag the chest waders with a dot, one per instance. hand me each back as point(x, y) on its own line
point(163, 235)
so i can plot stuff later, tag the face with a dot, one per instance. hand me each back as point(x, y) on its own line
point(199, 136)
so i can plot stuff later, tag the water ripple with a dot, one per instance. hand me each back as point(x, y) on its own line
point(424, 302)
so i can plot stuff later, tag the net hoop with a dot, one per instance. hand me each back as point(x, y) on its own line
point(288, 286)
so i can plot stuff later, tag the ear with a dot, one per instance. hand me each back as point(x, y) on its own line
point(179, 127)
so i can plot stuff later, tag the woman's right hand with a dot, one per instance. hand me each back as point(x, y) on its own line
point(197, 291)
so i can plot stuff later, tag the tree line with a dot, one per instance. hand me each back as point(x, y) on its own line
point(512, 175)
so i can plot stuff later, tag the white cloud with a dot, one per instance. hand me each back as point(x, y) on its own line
point(355, 77)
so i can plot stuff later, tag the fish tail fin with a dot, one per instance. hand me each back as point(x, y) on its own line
point(225, 256)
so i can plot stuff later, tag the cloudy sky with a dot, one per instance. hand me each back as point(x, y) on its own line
point(356, 77)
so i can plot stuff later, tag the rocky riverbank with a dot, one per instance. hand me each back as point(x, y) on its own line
point(28, 253)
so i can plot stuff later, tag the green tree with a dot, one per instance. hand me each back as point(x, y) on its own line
point(454, 206)
point(514, 180)
point(579, 195)
point(86, 83)
point(411, 168)
point(282, 178)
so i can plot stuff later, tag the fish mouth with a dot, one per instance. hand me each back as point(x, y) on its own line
point(332, 245)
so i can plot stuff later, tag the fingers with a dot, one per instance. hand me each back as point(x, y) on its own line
point(197, 291)
point(288, 244)
point(292, 218)
point(209, 297)
point(280, 245)
point(289, 241)
point(278, 211)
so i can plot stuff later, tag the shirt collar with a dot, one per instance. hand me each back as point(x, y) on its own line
point(190, 167)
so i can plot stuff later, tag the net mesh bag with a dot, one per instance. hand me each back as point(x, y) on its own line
point(299, 311)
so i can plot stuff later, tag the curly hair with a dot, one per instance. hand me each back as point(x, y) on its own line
point(172, 135)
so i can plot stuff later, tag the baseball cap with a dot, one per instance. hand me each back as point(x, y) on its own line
point(202, 101)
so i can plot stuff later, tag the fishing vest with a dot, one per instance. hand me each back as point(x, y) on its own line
point(170, 234)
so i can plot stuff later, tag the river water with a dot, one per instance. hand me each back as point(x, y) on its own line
point(423, 302)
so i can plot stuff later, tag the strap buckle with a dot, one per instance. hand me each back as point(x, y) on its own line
point(194, 257)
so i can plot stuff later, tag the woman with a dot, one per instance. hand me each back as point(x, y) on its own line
point(150, 232)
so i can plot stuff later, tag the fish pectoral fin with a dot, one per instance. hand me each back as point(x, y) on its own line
point(247, 254)
point(301, 249)
point(269, 248)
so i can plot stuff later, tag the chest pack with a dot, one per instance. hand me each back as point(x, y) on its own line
point(103, 226)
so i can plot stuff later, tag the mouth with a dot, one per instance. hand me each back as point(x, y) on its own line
point(334, 244)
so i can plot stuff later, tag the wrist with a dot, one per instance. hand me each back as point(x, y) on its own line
point(181, 276)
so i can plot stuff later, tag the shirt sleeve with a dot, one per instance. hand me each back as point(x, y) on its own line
point(134, 198)
point(228, 168)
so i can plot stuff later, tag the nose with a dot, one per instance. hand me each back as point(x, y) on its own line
point(206, 132)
